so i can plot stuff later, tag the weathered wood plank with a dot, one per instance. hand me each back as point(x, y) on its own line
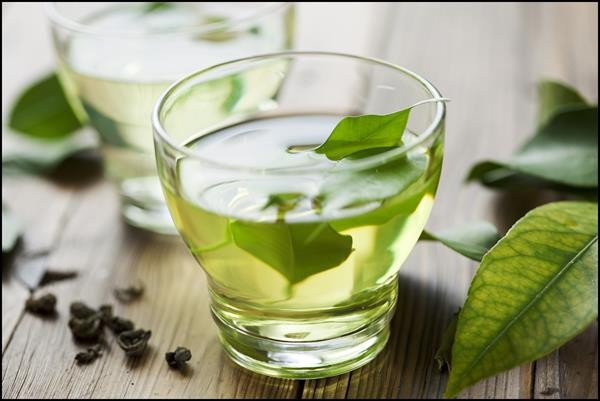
point(175, 308)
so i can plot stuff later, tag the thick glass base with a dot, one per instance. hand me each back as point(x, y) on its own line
point(366, 334)
point(143, 205)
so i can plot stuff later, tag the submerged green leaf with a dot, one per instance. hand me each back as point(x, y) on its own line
point(534, 290)
point(472, 240)
point(11, 230)
point(43, 111)
point(223, 34)
point(296, 251)
point(284, 202)
point(157, 6)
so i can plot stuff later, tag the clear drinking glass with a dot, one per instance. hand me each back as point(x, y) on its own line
point(301, 252)
point(115, 59)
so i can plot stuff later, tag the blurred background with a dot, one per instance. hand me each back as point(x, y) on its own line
point(487, 58)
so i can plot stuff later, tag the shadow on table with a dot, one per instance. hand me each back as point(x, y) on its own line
point(406, 367)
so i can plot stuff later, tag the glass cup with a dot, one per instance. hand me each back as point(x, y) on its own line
point(301, 253)
point(115, 59)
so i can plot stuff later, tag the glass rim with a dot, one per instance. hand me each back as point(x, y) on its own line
point(431, 132)
point(57, 18)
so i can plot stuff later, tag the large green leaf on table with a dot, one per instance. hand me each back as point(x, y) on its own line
point(297, 251)
point(472, 240)
point(31, 155)
point(554, 96)
point(563, 151)
point(11, 230)
point(534, 290)
point(43, 111)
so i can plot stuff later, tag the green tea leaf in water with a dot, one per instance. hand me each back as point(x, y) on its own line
point(222, 34)
point(366, 135)
point(43, 111)
point(284, 202)
point(297, 251)
point(178, 359)
point(89, 356)
point(359, 133)
point(535, 290)
point(43, 306)
point(472, 240)
point(134, 342)
point(11, 230)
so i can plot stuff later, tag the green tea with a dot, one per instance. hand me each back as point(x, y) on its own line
point(294, 237)
point(114, 80)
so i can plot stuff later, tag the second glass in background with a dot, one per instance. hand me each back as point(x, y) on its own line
point(115, 59)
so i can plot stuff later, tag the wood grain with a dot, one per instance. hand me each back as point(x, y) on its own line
point(486, 57)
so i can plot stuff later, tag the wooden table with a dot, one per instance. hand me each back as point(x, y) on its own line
point(486, 57)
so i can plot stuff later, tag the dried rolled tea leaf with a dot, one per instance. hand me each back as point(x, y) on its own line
point(178, 359)
point(115, 323)
point(118, 325)
point(87, 329)
point(106, 311)
point(80, 310)
point(85, 357)
point(129, 294)
point(51, 276)
point(44, 305)
point(134, 342)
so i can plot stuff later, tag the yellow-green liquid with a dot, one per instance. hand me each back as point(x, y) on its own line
point(114, 81)
point(321, 269)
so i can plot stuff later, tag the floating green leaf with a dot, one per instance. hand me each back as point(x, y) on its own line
point(359, 133)
point(43, 111)
point(105, 126)
point(365, 135)
point(11, 230)
point(535, 289)
point(563, 151)
point(553, 97)
point(472, 240)
point(297, 251)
